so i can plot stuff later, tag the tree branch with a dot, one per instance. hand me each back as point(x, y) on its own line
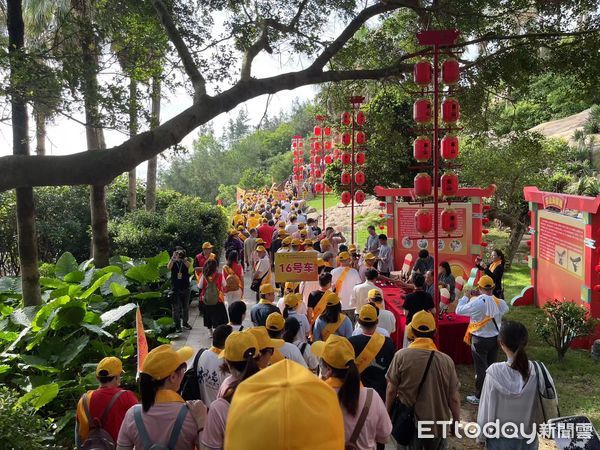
point(198, 82)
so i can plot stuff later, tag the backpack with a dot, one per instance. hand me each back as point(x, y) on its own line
point(211, 293)
point(232, 281)
point(230, 246)
point(143, 433)
point(98, 438)
point(190, 385)
point(548, 400)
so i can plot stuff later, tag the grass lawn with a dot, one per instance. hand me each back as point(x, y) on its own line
point(330, 201)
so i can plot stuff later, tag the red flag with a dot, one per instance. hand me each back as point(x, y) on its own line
point(142, 343)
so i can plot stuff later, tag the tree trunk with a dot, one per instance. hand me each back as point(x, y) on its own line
point(153, 162)
point(516, 235)
point(133, 130)
point(93, 131)
point(30, 275)
point(40, 132)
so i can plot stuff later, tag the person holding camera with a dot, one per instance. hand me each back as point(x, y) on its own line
point(180, 288)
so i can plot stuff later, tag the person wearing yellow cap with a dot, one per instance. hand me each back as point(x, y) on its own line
point(285, 245)
point(275, 325)
point(233, 243)
point(360, 292)
point(203, 256)
point(265, 306)
point(374, 349)
point(387, 320)
point(263, 274)
point(292, 226)
point(296, 243)
point(485, 312)
point(293, 306)
point(272, 408)
point(366, 421)
point(211, 286)
point(368, 262)
point(163, 417)
point(268, 347)
point(253, 221)
point(238, 217)
point(437, 399)
point(344, 278)
point(241, 355)
point(278, 236)
point(108, 403)
point(331, 320)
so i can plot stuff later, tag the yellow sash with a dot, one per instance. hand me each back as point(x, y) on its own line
point(370, 351)
point(423, 344)
point(476, 326)
point(318, 309)
point(331, 328)
point(340, 281)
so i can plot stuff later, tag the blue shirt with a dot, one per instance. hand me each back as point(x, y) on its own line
point(344, 330)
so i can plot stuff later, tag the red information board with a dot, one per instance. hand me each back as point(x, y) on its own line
point(561, 242)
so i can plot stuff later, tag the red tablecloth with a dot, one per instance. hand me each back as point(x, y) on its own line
point(450, 334)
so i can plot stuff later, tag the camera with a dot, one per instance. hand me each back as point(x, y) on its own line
point(180, 254)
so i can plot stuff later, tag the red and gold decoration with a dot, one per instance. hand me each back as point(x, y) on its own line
point(298, 167)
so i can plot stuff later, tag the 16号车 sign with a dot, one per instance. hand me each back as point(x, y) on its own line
point(296, 266)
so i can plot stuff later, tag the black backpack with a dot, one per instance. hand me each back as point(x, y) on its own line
point(98, 438)
point(190, 385)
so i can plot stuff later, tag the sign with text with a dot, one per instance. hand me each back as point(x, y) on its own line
point(296, 266)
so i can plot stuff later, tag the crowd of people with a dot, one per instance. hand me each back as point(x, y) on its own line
point(317, 368)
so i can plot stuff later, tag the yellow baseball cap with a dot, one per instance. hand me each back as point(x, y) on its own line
point(206, 246)
point(292, 285)
point(261, 248)
point(368, 313)
point(337, 351)
point(292, 300)
point(320, 262)
point(352, 248)
point(422, 321)
point(344, 256)
point(267, 289)
point(260, 241)
point(110, 366)
point(303, 232)
point(233, 232)
point(164, 360)
point(308, 243)
point(269, 403)
point(486, 282)
point(325, 241)
point(275, 322)
point(240, 228)
point(281, 224)
point(296, 242)
point(263, 339)
point(238, 346)
point(301, 226)
point(282, 233)
point(375, 294)
point(331, 298)
point(287, 241)
point(370, 257)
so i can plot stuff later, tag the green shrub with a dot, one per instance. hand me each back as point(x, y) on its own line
point(20, 426)
point(563, 322)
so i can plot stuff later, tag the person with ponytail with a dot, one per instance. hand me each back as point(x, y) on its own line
point(163, 417)
point(331, 321)
point(366, 421)
point(510, 390)
point(241, 355)
point(292, 304)
point(292, 334)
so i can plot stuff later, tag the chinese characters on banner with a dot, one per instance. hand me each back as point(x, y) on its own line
point(297, 266)
point(561, 242)
point(142, 343)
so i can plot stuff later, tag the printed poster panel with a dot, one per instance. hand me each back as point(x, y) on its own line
point(296, 266)
point(560, 242)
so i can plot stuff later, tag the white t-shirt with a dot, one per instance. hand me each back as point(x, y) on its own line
point(291, 352)
point(210, 375)
point(387, 320)
point(360, 294)
point(311, 359)
point(291, 228)
point(304, 325)
point(352, 279)
point(300, 309)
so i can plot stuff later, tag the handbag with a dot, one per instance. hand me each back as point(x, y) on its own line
point(255, 286)
point(547, 399)
point(403, 416)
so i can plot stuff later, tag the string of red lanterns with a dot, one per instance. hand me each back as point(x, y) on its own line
point(320, 157)
point(298, 169)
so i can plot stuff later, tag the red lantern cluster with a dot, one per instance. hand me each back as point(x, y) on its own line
point(423, 221)
point(298, 152)
point(346, 197)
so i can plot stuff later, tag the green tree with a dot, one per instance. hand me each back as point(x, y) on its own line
point(253, 179)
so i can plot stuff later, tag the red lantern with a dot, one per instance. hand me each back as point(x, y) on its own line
point(317, 131)
point(328, 159)
point(382, 204)
point(360, 158)
point(319, 187)
point(484, 231)
point(346, 197)
point(296, 169)
point(327, 131)
point(317, 173)
point(318, 146)
point(450, 71)
point(422, 185)
point(422, 111)
point(295, 178)
point(359, 196)
point(450, 147)
point(486, 208)
point(422, 149)
point(346, 178)
point(361, 118)
point(328, 188)
point(449, 220)
point(328, 145)
point(301, 144)
point(346, 158)
point(423, 221)
point(346, 118)
point(294, 144)
point(346, 138)
point(484, 244)
point(450, 110)
point(361, 138)
point(449, 184)
point(485, 220)
point(301, 176)
point(318, 160)
point(359, 178)
point(422, 73)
